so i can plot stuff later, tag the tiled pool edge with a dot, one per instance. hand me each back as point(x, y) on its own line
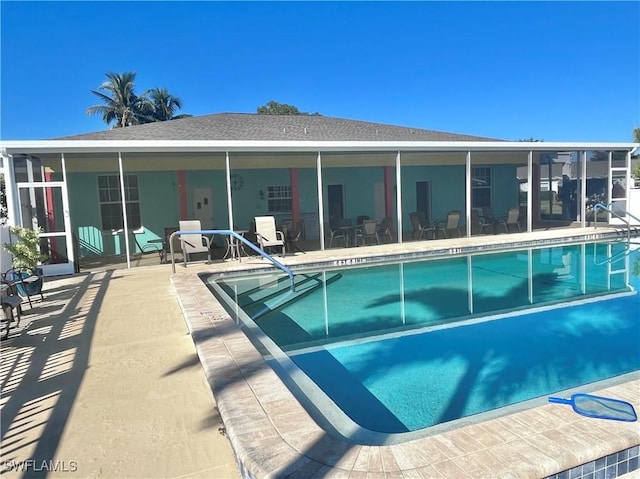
point(272, 436)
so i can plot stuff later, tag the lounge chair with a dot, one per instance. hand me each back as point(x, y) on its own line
point(268, 236)
point(194, 243)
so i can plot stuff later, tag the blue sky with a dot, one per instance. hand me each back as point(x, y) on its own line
point(511, 70)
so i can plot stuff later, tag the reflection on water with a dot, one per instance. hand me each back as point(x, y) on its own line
point(406, 346)
point(333, 306)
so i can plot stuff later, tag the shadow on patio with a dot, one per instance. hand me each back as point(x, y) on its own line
point(42, 367)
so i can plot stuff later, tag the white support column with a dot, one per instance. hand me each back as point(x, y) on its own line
point(467, 186)
point(66, 214)
point(228, 181)
point(124, 211)
point(11, 191)
point(320, 200)
point(530, 192)
point(399, 196)
point(583, 190)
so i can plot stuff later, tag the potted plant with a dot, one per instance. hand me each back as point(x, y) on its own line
point(26, 257)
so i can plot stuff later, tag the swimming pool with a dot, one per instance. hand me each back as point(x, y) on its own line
point(403, 347)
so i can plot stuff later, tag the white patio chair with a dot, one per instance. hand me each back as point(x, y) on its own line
point(194, 243)
point(452, 224)
point(511, 219)
point(267, 235)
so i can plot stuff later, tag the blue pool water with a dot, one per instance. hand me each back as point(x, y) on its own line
point(401, 347)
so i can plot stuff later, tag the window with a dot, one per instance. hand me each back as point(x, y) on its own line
point(480, 187)
point(111, 202)
point(279, 199)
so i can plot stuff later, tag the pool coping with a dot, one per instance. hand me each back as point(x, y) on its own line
point(272, 435)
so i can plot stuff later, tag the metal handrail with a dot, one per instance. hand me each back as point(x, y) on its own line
point(609, 208)
point(239, 237)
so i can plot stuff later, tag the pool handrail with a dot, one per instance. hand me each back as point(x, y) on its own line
point(239, 237)
point(609, 208)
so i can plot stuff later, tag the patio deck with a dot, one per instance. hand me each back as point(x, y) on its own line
point(273, 436)
point(101, 377)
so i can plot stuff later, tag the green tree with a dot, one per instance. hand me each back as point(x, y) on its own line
point(122, 107)
point(164, 105)
point(275, 108)
point(636, 135)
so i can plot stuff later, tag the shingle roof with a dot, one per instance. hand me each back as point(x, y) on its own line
point(247, 126)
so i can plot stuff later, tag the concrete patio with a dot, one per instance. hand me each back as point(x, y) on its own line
point(101, 380)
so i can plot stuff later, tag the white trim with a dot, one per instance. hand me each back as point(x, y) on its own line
point(129, 146)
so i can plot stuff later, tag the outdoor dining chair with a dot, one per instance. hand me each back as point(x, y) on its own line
point(268, 236)
point(368, 230)
point(511, 220)
point(452, 224)
point(191, 243)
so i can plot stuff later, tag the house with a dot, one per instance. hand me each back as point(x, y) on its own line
point(225, 169)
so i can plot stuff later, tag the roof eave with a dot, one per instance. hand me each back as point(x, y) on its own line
point(101, 146)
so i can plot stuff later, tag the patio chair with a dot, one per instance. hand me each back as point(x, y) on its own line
point(489, 220)
point(150, 246)
point(26, 281)
point(384, 228)
point(294, 233)
point(268, 236)
point(11, 301)
point(332, 234)
point(452, 224)
point(510, 220)
point(420, 226)
point(368, 230)
point(194, 243)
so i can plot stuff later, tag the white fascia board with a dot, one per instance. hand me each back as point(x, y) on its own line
point(105, 146)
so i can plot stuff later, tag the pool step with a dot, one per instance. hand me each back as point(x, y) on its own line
point(304, 284)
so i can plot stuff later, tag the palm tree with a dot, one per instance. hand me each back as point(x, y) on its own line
point(164, 105)
point(122, 106)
